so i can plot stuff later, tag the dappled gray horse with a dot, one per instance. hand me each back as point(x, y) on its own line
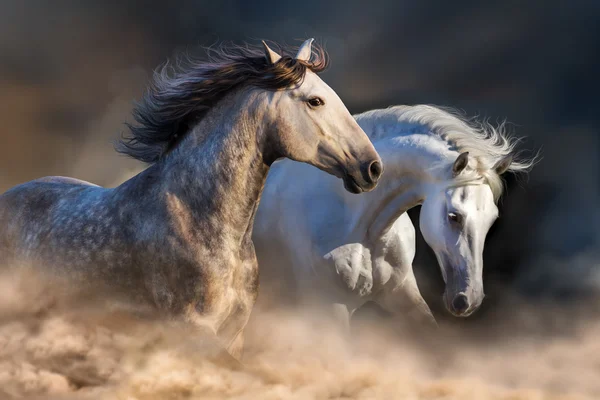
point(179, 233)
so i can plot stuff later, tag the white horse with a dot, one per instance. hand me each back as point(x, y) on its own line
point(343, 250)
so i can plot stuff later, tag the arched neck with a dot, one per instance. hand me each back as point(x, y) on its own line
point(211, 183)
point(415, 164)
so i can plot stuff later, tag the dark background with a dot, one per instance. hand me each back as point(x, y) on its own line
point(70, 70)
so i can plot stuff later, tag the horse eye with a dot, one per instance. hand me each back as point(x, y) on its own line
point(455, 218)
point(316, 102)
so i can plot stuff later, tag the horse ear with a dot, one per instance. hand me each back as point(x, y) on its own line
point(271, 56)
point(305, 51)
point(461, 163)
point(503, 165)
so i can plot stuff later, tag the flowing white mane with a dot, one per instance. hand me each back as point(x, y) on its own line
point(486, 144)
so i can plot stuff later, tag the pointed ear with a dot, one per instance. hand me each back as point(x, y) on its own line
point(305, 50)
point(461, 163)
point(271, 56)
point(503, 165)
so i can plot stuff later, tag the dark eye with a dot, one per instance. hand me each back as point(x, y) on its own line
point(455, 218)
point(316, 102)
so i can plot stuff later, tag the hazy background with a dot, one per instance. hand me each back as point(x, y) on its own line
point(70, 71)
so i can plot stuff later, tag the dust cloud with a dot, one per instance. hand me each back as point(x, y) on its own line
point(55, 345)
point(69, 74)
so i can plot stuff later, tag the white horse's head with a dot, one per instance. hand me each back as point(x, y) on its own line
point(455, 219)
point(316, 127)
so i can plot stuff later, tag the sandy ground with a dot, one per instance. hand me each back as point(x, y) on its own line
point(54, 347)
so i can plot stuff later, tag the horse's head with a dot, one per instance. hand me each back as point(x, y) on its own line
point(314, 126)
point(455, 219)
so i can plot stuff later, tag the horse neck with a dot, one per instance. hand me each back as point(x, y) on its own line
point(217, 173)
point(413, 165)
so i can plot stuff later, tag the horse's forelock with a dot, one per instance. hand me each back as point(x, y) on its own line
point(182, 93)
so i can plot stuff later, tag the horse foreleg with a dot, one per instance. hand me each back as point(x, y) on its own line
point(405, 300)
point(211, 345)
point(341, 317)
point(236, 347)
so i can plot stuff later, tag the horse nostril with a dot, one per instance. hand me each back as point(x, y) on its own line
point(460, 304)
point(375, 170)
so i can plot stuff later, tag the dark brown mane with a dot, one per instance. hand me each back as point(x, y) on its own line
point(178, 96)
